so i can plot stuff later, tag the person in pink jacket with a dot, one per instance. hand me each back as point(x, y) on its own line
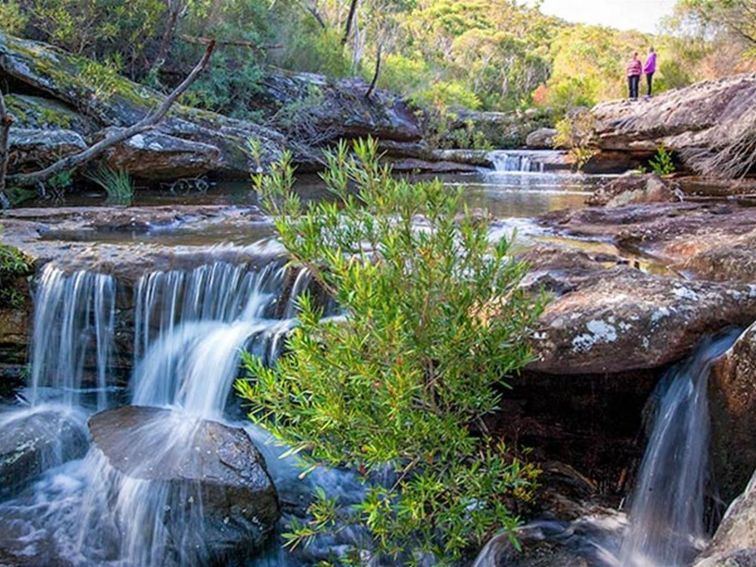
point(634, 70)
point(650, 68)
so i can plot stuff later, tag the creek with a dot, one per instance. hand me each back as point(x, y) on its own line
point(179, 333)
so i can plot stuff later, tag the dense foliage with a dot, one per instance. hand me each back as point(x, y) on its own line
point(486, 54)
point(433, 322)
point(13, 266)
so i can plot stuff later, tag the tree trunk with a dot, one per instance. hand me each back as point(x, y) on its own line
point(175, 8)
point(376, 73)
point(350, 21)
point(122, 134)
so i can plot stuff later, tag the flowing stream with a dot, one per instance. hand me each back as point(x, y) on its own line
point(189, 330)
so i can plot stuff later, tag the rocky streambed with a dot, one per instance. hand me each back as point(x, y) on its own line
point(634, 288)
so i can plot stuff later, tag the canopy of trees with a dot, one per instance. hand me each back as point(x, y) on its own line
point(485, 54)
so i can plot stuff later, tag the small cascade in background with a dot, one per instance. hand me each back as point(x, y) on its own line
point(511, 161)
point(74, 331)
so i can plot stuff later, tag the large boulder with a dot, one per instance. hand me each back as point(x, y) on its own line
point(34, 440)
point(314, 109)
point(732, 394)
point(734, 543)
point(691, 122)
point(156, 155)
point(205, 468)
point(620, 319)
point(32, 149)
point(542, 138)
point(53, 74)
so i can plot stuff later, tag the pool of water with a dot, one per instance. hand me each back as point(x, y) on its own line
point(503, 194)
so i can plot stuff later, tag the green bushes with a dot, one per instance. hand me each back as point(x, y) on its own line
point(12, 19)
point(117, 184)
point(662, 163)
point(434, 322)
point(13, 265)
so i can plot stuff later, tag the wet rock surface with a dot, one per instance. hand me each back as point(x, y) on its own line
point(623, 319)
point(204, 465)
point(732, 399)
point(633, 188)
point(34, 441)
point(712, 241)
point(734, 543)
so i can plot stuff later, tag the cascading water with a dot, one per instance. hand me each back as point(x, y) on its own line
point(665, 523)
point(510, 161)
point(190, 327)
point(74, 330)
point(667, 511)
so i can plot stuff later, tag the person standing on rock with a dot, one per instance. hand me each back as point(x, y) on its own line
point(650, 68)
point(634, 70)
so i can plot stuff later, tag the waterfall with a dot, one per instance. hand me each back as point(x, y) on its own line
point(667, 510)
point(192, 326)
point(665, 523)
point(74, 329)
point(524, 161)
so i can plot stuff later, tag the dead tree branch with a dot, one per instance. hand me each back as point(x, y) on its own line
point(6, 120)
point(377, 72)
point(115, 136)
point(350, 21)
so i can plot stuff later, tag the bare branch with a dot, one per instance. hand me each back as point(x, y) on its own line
point(350, 21)
point(312, 10)
point(229, 42)
point(115, 137)
point(377, 72)
point(6, 120)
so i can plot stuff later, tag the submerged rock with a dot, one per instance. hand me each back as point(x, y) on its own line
point(732, 392)
point(209, 473)
point(734, 543)
point(32, 441)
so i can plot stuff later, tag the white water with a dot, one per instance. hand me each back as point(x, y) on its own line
point(189, 330)
point(665, 523)
point(524, 161)
point(667, 510)
point(73, 333)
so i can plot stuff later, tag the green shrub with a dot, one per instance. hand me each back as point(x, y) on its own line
point(12, 19)
point(575, 133)
point(117, 184)
point(443, 94)
point(434, 323)
point(14, 264)
point(661, 163)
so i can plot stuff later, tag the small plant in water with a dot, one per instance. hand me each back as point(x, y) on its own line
point(661, 163)
point(434, 321)
point(117, 184)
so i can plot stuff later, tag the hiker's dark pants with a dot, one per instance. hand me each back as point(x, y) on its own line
point(649, 82)
point(633, 81)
